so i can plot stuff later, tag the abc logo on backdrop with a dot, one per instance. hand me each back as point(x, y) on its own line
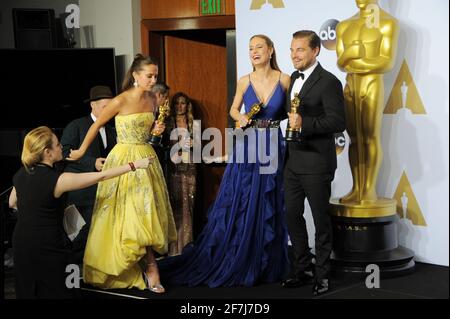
point(339, 139)
point(327, 34)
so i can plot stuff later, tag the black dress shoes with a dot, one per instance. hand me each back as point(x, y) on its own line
point(321, 287)
point(295, 281)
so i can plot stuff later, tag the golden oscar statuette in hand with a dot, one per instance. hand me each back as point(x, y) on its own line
point(164, 112)
point(293, 134)
point(256, 107)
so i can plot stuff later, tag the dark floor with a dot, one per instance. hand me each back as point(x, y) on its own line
point(426, 282)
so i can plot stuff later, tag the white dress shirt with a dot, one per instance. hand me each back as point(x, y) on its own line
point(102, 132)
point(298, 84)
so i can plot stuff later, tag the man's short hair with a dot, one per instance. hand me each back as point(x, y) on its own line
point(160, 87)
point(314, 40)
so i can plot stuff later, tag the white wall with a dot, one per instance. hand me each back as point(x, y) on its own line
point(413, 143)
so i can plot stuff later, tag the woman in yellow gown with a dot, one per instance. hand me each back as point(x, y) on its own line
point(132, 216)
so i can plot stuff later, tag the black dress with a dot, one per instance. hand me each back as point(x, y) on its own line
point(40, 245)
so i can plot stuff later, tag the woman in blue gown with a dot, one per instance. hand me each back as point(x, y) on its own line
point(245, 239)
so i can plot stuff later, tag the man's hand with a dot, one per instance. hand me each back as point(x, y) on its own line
point(295, 121)
point(99, 163)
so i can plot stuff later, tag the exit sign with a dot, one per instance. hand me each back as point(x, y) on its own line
point(212, 7)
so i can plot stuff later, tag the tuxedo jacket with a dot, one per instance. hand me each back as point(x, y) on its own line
point(323, 114)
point(72, 137)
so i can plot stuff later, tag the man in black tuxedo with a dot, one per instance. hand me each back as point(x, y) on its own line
point(311, 161)
point(72, 137)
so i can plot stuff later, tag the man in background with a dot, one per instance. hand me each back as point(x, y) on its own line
point(161, 92)
point(72, 137)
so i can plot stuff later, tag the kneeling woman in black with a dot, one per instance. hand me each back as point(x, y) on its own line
point(41, 247)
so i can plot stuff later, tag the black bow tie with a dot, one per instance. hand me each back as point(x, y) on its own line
point(297, 74)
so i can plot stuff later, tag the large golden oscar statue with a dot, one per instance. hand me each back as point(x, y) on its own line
point(366, 49)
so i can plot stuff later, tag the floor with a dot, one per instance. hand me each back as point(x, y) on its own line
point(426, 282)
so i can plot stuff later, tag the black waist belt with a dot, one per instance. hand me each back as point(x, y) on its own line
point(265, 124)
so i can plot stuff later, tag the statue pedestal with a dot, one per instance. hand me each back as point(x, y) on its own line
point(366, 234)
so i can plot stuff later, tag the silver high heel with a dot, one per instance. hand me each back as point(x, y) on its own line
point(158, 288)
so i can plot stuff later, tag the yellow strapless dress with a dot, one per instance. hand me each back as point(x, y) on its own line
point(131, 211)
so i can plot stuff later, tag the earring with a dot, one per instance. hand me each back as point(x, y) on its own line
point(135, 84)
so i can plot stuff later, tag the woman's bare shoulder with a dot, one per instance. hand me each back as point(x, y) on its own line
point(285, 80)
point(243, 82)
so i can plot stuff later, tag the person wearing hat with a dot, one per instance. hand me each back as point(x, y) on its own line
point(72, 137)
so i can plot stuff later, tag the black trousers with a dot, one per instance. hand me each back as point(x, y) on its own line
point(317, 189)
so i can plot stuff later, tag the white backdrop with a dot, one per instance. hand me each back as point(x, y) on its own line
point(415, 168)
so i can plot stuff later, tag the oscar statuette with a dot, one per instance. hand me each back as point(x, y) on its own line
point(256, 107)
point(164, 112)
point(365, 223)
point(293, 134)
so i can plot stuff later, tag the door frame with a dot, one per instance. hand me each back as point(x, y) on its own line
point(153, 33)
point(154, 30)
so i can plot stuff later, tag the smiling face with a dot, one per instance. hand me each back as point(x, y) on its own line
point(302, 55)
point(259, 51)
point(146, 77)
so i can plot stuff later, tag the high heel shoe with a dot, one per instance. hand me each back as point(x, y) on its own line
point(158, 288)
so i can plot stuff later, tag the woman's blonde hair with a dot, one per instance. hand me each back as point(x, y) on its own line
point(36, 141)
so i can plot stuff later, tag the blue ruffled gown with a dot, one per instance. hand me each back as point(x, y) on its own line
point(245, 239)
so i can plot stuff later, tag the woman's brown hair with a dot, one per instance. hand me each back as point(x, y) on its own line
point(269, 42)
point(138, 62)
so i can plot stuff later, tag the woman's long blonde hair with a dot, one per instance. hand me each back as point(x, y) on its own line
point(36, 141)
